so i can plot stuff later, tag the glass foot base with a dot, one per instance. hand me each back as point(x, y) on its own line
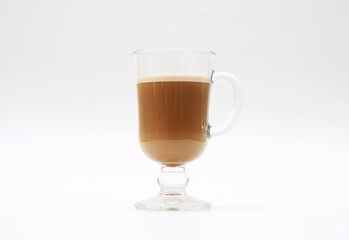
point(173, 203)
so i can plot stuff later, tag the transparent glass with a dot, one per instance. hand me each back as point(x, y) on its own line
point(173, 88)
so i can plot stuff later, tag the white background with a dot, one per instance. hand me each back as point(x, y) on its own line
point(70, 163)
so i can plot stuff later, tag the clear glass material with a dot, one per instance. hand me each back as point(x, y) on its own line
point(173, 88)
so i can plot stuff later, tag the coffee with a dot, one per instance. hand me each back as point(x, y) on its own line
point(173, 117)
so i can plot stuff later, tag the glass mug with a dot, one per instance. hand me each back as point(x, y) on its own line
point(173, 98)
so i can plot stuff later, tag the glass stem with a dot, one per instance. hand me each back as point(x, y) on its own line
point(172, 181)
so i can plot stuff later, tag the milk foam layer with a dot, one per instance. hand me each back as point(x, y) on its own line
point(174, 78)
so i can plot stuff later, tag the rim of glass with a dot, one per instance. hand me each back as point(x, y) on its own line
point(172, 50)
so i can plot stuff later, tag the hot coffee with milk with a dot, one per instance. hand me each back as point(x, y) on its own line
point(173, 120)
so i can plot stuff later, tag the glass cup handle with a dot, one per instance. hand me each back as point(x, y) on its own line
point(237, 104)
